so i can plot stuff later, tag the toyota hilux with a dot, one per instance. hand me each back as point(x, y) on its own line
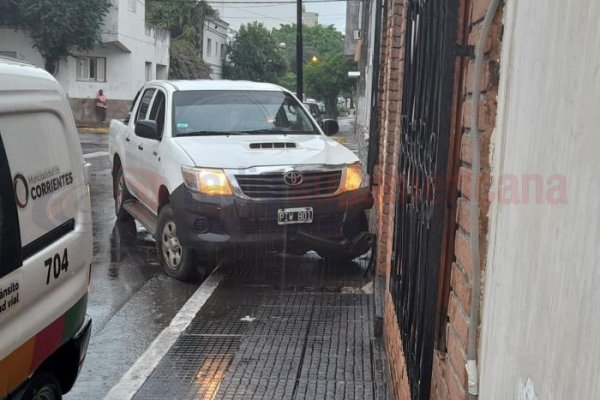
point(216, 168)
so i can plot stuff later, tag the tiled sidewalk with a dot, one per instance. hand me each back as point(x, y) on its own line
point(284, 329)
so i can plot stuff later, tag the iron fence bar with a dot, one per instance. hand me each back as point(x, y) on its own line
point(420, 209)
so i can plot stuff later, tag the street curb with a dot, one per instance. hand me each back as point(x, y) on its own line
point(90, 129)
point(135, 377)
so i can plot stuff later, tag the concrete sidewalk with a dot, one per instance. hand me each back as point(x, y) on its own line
point(283, 328)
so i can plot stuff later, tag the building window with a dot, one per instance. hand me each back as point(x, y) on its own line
point(148, 71)
point(132, 5)
point(161, 71)
point(208, 47)
point(223, 52)
point(91, 69)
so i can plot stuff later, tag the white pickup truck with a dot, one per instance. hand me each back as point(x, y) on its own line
point(216, 168)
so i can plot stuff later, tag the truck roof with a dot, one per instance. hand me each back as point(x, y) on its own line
point(207, 84)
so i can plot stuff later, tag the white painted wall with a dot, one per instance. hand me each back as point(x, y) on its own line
point(216, 31)
point(13, 41)
point(542, 294)
point(127, 45)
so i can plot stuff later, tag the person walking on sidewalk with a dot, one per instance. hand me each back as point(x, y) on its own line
point(101, 106)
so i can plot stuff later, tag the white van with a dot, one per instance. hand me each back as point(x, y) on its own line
point(45, 237)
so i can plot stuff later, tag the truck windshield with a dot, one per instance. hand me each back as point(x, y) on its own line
point(214, 112)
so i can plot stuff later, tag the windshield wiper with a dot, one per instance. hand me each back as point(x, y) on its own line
point(255, 131)
point(208, 133)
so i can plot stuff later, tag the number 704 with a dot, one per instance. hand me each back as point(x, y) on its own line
point(56, 265)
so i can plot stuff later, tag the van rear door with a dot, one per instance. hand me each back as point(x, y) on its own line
point(44, 296)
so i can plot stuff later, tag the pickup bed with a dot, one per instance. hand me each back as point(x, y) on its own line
point(221, 168)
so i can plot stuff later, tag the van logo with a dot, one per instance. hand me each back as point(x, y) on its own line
point(21, 190)
point(293, 178)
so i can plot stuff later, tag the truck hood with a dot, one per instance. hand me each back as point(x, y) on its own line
point(246, 151)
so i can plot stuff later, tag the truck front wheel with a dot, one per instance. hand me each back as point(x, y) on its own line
point(176, 260)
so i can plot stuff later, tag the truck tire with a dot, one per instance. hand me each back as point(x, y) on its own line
point(176, 260)
point(43, 386)
point(121, 195)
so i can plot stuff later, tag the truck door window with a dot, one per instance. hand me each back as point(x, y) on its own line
point(10, 239)
point(144, 104)
point(157, 112)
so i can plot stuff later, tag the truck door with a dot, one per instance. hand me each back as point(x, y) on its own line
point(134, 149)
point(149, 152)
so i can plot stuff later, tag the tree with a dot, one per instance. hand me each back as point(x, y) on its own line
point(254, 55)
point(317, 41)
point(183, 19)
point(186, 62)
point(185, 22)
point(57, 27)
point(328, 78)
point(288, 81)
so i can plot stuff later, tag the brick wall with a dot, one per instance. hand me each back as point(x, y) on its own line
point(385, 178)
point(449, 380)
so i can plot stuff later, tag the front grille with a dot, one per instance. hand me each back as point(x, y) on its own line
point(272, 185)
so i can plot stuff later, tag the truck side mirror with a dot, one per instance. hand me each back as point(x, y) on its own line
point(147, 129)
point(330, 127)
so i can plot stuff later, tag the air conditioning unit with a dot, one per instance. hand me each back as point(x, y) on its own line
point(357, 34)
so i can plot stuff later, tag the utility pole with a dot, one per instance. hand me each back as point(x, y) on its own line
point(299, 77)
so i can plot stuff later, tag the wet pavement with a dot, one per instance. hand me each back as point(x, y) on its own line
point(286, 327)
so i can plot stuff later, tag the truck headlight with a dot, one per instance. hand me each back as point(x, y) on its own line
point(212, 182)
point(354, 177)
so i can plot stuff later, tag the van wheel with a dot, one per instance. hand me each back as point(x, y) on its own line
point(43, 386)
point(121, 194)
point(176, 260)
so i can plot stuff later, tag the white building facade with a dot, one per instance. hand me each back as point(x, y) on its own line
point(215, 41)
point(131, 53)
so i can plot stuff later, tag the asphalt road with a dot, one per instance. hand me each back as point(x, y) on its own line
point(131, 301)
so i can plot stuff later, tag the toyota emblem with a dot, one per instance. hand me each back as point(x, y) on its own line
point(293, 178)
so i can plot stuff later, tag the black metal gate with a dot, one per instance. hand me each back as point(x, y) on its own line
point(430, 44)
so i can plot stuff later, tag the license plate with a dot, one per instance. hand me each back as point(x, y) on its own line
point(299, 215)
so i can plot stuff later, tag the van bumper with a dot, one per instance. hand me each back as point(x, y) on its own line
point(82, 339)
point(213, 224)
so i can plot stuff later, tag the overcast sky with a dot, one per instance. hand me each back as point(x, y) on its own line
point(273, 15)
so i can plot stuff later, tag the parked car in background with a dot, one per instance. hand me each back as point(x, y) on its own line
point(315, 111)
point(215, 168)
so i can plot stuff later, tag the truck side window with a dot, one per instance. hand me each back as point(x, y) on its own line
point(157, 113)
point(10, 237)
point(128, 117)
point(144, 104)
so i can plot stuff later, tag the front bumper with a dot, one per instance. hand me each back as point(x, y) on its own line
point(216, 224)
